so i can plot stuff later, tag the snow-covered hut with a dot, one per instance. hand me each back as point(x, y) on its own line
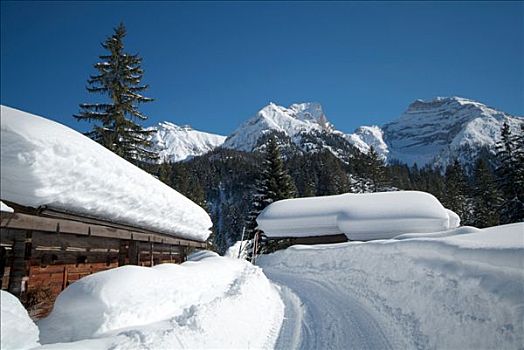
point(362, 217)
point(79, 208)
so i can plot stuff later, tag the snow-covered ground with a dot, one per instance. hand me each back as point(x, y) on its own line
point(459, 289)
point(17, 330)
point(456, 289)
point(46, 163)
point(238, 250)
point(210, 302)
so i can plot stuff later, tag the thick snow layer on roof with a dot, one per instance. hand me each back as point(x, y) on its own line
point(46, 163)
point(17, 330)
point(362, 216)
point(464, 290)
point(211, 302)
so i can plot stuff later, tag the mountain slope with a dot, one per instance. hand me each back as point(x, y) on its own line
point(176, 143)
point(436, 132)
point(428, 133)
point(291, 122)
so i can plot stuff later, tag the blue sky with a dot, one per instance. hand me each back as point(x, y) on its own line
point(214, 64)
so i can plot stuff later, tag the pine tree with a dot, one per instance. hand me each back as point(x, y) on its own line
point(273, 184)
point(485, 196)
point(332, 178)
point(510, 174)
point(165, 173)
point(456, 195)
point(376, 171)
point(116, 122)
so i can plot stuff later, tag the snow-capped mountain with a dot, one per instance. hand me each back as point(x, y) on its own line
point(291, 122)
point(429, 132)
point(437, 131)
point(176, 143)
point(366, 136)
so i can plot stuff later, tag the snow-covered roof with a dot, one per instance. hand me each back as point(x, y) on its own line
point(364, 216)
point(46, 163)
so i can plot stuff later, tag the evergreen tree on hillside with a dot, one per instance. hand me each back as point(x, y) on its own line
point(510, 174)
point(165, 173)
point(376, 171)
point(188, 184)
point(119, 78)
point(456, 194)
point(486, 198)
point(273, 184)
point(332, 177)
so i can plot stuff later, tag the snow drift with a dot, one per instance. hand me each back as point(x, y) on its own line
point(462, 290)
point(210, 302)
point(46, 163)
point(17, 330)
point(363, 216)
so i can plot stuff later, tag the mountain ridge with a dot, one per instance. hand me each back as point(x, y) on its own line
point(430, 132)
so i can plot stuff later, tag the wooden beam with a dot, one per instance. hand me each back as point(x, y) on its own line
point(134, 253)
point(19, 265)
point(32, 222)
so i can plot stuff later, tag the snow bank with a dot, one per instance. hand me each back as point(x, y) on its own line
point(5, 207)
point(232, 252)
point(464, 290)
point(214, 302)
point(17, 330)
point(46, 163)
point(362, 216)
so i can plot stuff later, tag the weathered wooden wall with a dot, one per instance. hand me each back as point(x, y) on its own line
point(38, 265)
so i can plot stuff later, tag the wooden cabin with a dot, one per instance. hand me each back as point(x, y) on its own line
point(69, 222)
point(42, 251)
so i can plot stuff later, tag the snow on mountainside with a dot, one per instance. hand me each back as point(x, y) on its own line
point(176, 143)
point(292, 121)
point(366, 136)
point(428, 132)
point(437, 131)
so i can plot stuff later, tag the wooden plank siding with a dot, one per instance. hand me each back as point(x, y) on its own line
point(48, 224)
point(41, 255)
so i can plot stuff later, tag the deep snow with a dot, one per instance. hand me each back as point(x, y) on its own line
point(460, 289)
point(455, 289)
point(46, 163)
point(17, 330)
point(209, 302)
point(363, 216)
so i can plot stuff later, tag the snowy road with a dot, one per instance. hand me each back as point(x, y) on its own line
point(317, 316)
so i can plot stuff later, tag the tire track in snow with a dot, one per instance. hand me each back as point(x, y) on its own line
point(327, 318)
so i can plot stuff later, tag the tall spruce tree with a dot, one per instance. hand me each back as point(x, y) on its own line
point(116, 122)
point(456, 195)
point(486, 197)
point(510, 174)
point(273, 184)
point(376, 171)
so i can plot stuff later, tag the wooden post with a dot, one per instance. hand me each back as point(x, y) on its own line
point(64, 278)
point(134, 253)
point(151, 260)
point(21, 252)
point(122, 252)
